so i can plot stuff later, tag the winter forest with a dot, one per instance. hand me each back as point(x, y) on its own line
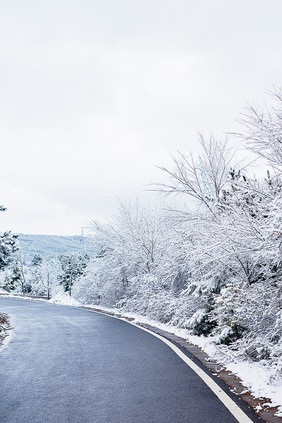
point(212, 267)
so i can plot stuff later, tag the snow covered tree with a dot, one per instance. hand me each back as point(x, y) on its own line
point(129, 247)
point(72, 268)
point(235, 239)
point(50, 269)
point(35, 275)
point(262, 131)
point(8, 246)
point(15, 278)
point(203, 179)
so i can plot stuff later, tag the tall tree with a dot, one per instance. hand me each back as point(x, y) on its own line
point(8, 246)
point(72, 268)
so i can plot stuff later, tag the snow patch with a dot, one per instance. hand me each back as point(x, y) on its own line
point(255, 376)
point(64, 299)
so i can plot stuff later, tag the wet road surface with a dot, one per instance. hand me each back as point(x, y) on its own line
point(67, 365)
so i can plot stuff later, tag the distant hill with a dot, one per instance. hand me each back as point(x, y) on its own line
point(53, 244)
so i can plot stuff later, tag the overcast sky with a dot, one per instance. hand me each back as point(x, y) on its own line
point(95, 93)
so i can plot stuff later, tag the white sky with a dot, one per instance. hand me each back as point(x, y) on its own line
point(95, 93)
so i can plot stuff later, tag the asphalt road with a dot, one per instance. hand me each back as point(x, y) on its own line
point(67, 365)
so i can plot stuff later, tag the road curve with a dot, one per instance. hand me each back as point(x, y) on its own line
point(68, 365)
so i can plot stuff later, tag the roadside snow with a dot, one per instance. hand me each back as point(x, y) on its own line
point(255, 377)
point(60, 298)
point(64, 299)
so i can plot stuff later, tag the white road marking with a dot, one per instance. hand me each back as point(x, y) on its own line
point(234, 409)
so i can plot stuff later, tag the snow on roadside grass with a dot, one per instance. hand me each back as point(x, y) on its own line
point(255, 376)
point(22, 297)
point(60, 298)
point(64, 299)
